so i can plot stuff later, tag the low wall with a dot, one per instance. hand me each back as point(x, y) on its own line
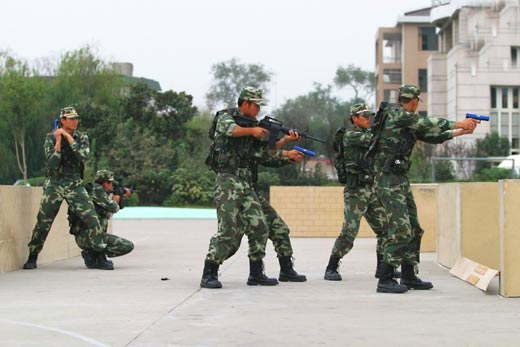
point(468, 223)
point(509, 238)
point(18, 209)
point(318, 211)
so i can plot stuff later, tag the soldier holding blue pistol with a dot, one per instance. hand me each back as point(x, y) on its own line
point(66, 149)
point(401, 128)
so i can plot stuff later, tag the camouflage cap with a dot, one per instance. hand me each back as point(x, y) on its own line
point(69, 113)
point(253, 95)
point(360, 109)
point(409, 91)
point(104, 176)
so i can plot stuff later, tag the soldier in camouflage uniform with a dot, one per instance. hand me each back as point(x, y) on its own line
point(278, 229)
point(106, 204)
point(232, 155)
point(359, 193)
point(65, 149)
point(392, 160)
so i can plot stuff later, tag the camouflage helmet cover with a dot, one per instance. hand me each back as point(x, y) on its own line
point(409, 91)
point(69, 113)
point(104, 176)
point(252, 94)
point(360, 109)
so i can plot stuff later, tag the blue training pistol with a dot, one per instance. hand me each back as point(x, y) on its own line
point(304, 151)
point(477, 116)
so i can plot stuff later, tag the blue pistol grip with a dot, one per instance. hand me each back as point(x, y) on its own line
point(477, 116)
point(304, 151)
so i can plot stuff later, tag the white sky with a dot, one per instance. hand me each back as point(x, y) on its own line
point(176, 42)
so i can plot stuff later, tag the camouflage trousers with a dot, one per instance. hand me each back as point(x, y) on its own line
point(116, 246)
point(403, 241)
point(359, 202)
point(71, 190)
point(278, 231)
point(238, 211)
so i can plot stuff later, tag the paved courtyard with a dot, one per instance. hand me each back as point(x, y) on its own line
point(153, 299)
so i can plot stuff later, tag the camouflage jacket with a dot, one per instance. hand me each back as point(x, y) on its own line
point(355, 144)
point(243, 152)
point(399, 134)
point(70, 156)
point(103, 202)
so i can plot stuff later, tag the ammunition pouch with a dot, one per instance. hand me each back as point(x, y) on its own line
point(396, 165)
point(359, 180)
point(341, 171)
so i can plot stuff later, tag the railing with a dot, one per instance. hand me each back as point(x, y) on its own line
point(488, 159)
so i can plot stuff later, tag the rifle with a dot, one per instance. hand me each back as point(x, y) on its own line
point(377, 128)
point(274, 126)
point(120, 190)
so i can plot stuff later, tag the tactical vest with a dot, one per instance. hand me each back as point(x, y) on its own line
point(359, 169)
point(397, 155)
point(228, 154)
point(70, 165)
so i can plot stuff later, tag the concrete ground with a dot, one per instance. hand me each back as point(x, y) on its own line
point(153, 299)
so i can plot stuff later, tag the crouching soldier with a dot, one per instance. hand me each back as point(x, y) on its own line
point(106, 204)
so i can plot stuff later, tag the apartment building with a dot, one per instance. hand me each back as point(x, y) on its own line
point(477, 66)
point(402, 53)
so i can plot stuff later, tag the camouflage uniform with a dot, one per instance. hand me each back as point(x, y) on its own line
point(392, 161)
point(238, 206)
point(278, 229)
point(64, 182)
point(105, 207)
point(359, 194)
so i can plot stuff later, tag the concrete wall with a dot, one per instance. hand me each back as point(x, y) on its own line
point(318, 211)
point(509, 238)
point(468, 223)
point(18, 209)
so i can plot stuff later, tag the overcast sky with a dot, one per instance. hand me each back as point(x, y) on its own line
point(176, 42)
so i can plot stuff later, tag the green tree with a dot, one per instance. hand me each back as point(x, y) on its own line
point(82, 76)
point(492, 145)
point(318, 113)
point(149, 136)
point(229, 77)
point(362, 82)
point(21, 94)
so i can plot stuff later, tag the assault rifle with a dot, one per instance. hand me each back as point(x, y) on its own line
point(274, 126)
point(120, 190)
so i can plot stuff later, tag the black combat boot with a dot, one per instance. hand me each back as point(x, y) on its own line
point(397, 274)
point(411, 281)
point(101, 262)
point(31, 262)
point(257, 275)
point(210, 275)
point(386, 283)
point(378, 266)
point(89, 257)
point(287, 273)
point(331, 272)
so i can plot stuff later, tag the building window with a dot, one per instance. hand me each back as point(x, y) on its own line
point(423, 80)
point(515, 53)
point(390, 95)
point(505, 115)
point(493, 97)
point(392, 76)
point(428, 40)
point(504, 97)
